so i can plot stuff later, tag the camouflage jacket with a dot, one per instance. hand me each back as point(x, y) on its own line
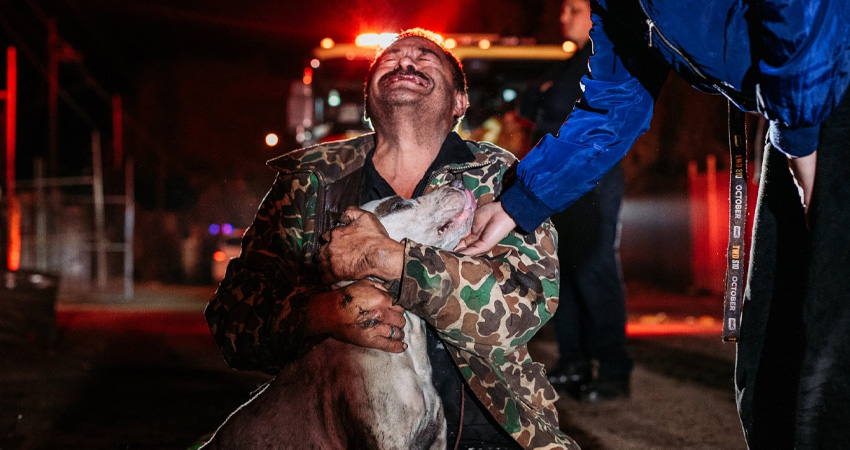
point(486, 308)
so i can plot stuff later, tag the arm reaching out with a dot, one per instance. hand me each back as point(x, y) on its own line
point(491, 225)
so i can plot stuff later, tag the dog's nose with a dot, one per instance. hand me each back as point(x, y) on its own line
point(457, 184)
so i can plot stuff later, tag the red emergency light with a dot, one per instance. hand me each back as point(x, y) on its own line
point(220, 256)
point(375, 40)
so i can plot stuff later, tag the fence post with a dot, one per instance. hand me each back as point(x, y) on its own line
point(99, 213)
point(40, 217)
point(129, 224)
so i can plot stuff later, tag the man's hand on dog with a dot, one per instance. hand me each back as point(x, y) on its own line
point(359, 249)
point(362, 314)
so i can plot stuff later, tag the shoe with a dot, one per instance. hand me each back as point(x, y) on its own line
point(606, 387)
point(571, 377)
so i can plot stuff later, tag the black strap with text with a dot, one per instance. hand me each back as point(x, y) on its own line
point(733, 295)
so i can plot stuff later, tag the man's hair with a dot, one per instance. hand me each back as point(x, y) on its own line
point(458, 77)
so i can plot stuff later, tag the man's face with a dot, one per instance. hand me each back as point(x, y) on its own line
point(413, 72)
point(575, 21)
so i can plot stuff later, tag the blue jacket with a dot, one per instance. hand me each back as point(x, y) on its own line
point(787, 59)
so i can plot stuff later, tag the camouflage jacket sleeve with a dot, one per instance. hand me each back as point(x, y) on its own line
point(257, 313)
point(487, 305)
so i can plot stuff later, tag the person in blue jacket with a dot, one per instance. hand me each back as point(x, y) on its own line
point(788, 60)
point(590, 322)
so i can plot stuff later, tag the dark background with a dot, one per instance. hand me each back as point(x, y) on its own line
point(203, 81)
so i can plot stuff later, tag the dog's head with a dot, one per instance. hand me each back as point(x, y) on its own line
point(440, 218)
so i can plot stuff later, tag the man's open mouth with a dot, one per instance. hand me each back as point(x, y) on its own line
point(414, 77)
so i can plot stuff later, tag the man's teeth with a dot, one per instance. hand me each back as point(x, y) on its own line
point(413, 78)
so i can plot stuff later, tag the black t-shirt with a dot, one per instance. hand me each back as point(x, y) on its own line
point(478, 426)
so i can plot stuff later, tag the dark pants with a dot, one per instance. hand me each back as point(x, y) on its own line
point(793, 364)
point(590, 322)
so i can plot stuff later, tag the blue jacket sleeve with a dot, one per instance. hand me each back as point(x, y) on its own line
point(616, 107)
point(804, 70)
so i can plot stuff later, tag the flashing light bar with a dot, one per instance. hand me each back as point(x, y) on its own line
point(462, 45)
point(375, 40)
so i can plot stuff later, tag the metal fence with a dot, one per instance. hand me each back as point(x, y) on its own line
point(71, 227)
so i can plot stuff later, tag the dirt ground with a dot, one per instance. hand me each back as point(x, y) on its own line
point(149, 378)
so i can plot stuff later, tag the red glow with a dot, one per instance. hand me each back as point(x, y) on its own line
point(177, 322)
point(13, 258)
point(219, 256)
point(709, 211)
point(11, 95)
point(440, 16)
point(673, 329)
point(169, 323)
point(308, 75)
point(117, 132)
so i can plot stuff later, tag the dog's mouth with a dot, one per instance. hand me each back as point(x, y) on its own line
point(471, 202)
point(462, 218)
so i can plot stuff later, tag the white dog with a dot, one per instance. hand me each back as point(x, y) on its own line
point(342, 396)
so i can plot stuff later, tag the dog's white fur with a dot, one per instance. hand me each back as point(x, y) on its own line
point(341, 396)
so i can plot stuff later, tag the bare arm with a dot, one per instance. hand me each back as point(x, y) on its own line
point(803, 169)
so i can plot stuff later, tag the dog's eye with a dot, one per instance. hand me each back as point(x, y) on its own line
point(400, 205)
point(392, 205)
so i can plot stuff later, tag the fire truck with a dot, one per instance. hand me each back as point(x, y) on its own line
point(327, 103)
